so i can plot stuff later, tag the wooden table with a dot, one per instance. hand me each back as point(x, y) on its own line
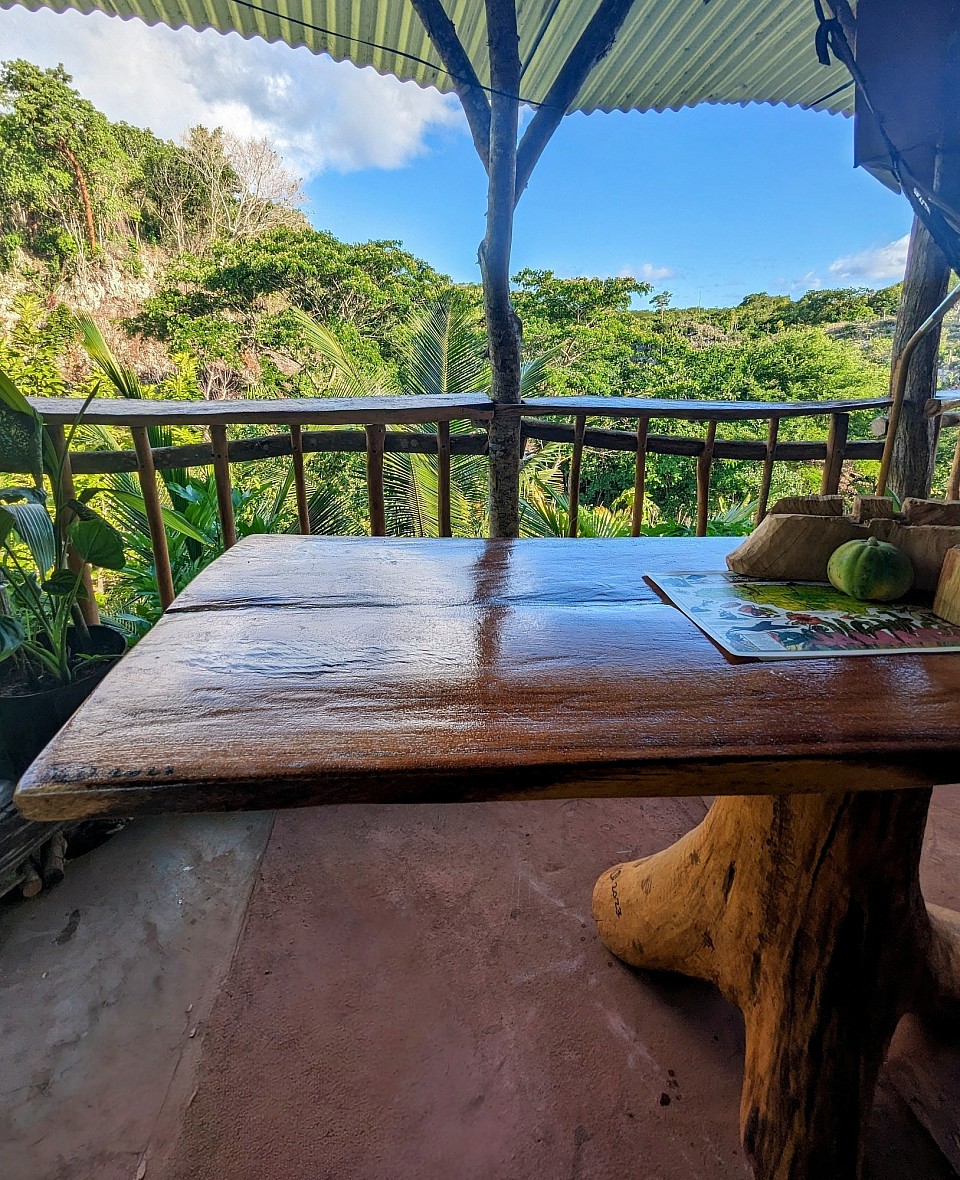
point(299, 670)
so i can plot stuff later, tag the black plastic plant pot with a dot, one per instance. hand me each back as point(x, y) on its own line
point(28, 722)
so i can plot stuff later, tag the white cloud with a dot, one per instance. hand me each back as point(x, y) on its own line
point(881, 264)
point(810, 281)
point(321, 115)
point(646, 272)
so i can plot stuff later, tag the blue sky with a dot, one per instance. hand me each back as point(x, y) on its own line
point(711, 203)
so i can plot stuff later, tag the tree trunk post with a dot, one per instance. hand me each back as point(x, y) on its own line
point(494, 122)
point(924, 287)
point(503, 324)
point(806, 912)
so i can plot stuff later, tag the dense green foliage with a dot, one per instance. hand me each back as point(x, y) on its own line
point(231, 307)
point(230, 293)
point(72, 183)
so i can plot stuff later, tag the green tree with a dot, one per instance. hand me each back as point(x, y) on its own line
point(587, 326)
point(57, 150)
point(233, 305)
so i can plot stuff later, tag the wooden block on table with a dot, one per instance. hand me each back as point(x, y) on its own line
point(872, 508)
point(925, 544)
point(946, 604)
point(945, 512)
point(792, 547)
point(807, 506)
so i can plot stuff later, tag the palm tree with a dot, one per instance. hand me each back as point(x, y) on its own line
point(445, 355)
point(265, 503)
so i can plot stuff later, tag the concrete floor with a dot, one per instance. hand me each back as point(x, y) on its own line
point(376, 993)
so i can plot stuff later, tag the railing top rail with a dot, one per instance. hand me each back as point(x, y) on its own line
point(333, 411)
point(694, 410)
point(396, 410)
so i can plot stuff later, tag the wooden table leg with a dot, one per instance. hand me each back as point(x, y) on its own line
point(806, 911)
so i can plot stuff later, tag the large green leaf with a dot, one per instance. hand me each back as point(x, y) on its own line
point(97, 542)
point(175, 521)
point(65, 583)
point(347, 379)
point(21, 433)
point(121, 377)
point(445, 354)
point(24, 511)
point(12, 635)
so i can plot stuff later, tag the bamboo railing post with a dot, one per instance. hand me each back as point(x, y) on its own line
point(151, 500)
point(89, 610)
point(221, 474)
point(640, 478)
point(836, 447)
point(376, 440)
point(299, 481)
point(773, 429)
point(953, 488)
point(704, 466)
point(443, 480)
point(576, 460)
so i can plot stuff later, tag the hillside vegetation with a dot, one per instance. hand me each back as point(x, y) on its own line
point(195, 259)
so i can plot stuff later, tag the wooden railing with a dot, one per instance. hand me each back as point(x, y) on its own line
point(374, 415)
point(935, 409)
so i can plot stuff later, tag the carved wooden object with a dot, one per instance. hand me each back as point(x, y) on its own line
point(944, 512)
point(797, 537)
point(786, 547)
point(808, 506)
point(304, 670)
point(806, 912)
point(946, 604)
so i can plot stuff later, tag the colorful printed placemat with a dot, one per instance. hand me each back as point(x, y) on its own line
point(787, 620)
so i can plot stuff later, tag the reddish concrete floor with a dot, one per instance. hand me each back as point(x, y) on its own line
point(419, 993)
point(411, 994)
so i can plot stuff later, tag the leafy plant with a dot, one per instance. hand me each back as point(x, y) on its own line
point(191, 516)
point(42, 556)
point(444, 355)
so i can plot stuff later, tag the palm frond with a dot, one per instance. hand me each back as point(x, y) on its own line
point(445, 355)
point(347, 380)
point(534, 373)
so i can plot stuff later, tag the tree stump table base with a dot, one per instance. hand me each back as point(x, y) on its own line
point(806, 912)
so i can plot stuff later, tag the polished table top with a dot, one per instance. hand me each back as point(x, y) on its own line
point(304, 670)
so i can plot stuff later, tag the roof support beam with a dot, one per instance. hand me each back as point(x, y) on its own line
point(494, 123)
point(503, 324)
point(595, 43)
point(913, 436)
point(442, 32)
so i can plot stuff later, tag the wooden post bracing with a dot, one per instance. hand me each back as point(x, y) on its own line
point(221, 475)
point(911, 454)
point(576, 459)
point(493, 118)
point(376, 436)
point(953, 487)
point(640, 477)
point(444, 528)
point(704, 467)
point(836, 450)
point(299, 479)
point(806, 912)
point(154, 513)
point(773, 430)
point(503, 323)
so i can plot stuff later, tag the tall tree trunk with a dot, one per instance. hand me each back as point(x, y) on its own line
point(924, 287)
point(503, 324)
point(84, 194)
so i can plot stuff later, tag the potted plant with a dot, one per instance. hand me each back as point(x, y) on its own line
point(50, 659)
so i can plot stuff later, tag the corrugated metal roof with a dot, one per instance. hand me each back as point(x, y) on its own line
point(669, 54)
